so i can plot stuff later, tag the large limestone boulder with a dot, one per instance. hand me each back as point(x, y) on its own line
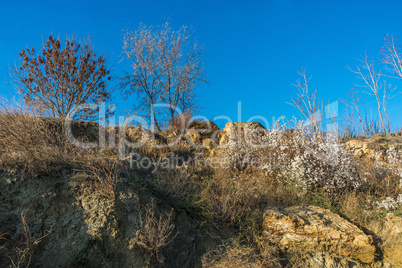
point(316, 230)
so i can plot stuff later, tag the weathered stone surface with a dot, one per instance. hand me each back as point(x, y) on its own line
point(319, 260)
point(391, 235)
point(194, 137)
point(204, 127)
point(143, 136)
point(204, 133)
point(369, 147)
point(208, 144)
point(231, 129)
point(88, 229)
point(313, 229)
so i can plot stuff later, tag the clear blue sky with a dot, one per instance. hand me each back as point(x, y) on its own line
point(253, 48)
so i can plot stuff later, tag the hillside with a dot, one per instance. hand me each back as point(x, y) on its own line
point(242, 196)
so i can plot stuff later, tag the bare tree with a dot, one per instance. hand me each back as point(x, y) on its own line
point(57, 79)
point(305, 101)
point(355, 104)
point(376, 86)
point(387, 96)
point(391, 56)
point(167, 67)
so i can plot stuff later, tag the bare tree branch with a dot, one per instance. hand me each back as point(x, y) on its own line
point(305, 101)
point(167, 67)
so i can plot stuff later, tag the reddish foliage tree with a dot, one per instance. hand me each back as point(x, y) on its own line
point(57, 78)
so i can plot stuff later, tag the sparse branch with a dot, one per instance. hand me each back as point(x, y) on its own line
point(355, 104)
point(21, 255)
point(167, 66)
point(373, 82)
point(388, 94)
point(305, 101)
point(391, 56)
point(155, 232)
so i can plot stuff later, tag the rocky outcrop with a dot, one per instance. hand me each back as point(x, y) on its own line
point(232, 130)
point(204, 127)
point(194, 137)
point(316, 230)
point(88, 229)
point(315, 260)
point(390, 234)
point(143, 136)
point(204, 134)
point(369, 147)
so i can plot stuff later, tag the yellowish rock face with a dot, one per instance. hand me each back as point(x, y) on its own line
point(313, 229)
point(391, 236)
point(369, 147)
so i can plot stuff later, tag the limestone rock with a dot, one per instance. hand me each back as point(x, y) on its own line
point(144, 136)
point(318, 260)
point(208, 144)
point(194, 137)
point(312, 229)
point(231, 129)
point(369, 147)
point(204, 127)
point(391, 236)
point(204, 133)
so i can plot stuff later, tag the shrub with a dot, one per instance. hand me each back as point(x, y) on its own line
point(308, 159)
point(315, 160)
point(101, 176)
point(155, 233)
point(222, 199)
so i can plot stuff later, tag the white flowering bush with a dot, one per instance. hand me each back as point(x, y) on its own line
point(390, 203)
point(388, 169)
point(308, 159)
point(314, 160)
point(394, 157)
point(244, 148)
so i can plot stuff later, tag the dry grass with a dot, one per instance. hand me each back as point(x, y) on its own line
point(102, 175)
point(355, 208)
point(180, 121)
point(176, 185)
point(21, 254)
point(222, 199)
point(229, 195)
point(2, 238)
point(27, 142)
point(222, 196)
point(238, 256)
point(155, 232)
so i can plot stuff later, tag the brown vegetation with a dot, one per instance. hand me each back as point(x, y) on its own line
point(155, 233)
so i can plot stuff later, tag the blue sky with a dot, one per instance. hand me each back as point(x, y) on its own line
point(253, 48)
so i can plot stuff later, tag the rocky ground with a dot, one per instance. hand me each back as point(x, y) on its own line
point(89, 229)
point(92, 231)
